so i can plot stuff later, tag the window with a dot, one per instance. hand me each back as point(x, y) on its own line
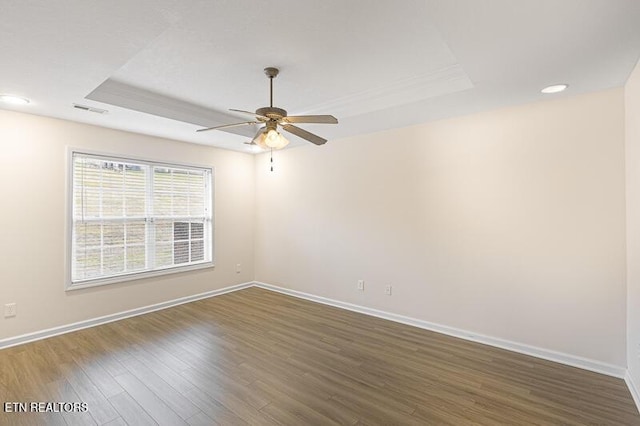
point(133, 217)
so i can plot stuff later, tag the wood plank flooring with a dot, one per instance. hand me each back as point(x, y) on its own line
point(255, 357)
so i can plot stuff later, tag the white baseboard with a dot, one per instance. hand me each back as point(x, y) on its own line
point(43, 334)
point(567, 359)
point(633, 389)
point(562, 358)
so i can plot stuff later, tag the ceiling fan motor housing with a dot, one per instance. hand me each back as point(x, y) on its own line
point(272, 112)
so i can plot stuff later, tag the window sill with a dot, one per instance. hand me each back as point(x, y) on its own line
point(70, 286)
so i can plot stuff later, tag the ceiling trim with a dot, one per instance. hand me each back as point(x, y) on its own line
point(442, 81)
point(134, 98)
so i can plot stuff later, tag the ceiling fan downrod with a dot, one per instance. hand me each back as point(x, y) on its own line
point(274, 114)
point(271, 72)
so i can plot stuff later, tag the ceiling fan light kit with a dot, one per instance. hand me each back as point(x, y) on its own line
point(268, 136)
point(271, 139)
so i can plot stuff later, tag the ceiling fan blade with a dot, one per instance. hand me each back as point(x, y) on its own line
point(320, 119)
point(261, 117)
point(304, 134)
point(227, 125)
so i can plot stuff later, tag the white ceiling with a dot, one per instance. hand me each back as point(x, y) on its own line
point(168, 67)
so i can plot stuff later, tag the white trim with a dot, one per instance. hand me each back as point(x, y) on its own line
point(145, 159)
point(43, 334)
point(130, 276)
point(562, 358)
point(633, 389)
point(68, 214)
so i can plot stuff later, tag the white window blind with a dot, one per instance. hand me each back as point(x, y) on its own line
point(132, 217)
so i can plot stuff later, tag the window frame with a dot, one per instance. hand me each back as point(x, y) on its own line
point(68, 238)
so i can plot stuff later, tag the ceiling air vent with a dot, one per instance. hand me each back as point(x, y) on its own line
point(90, 109)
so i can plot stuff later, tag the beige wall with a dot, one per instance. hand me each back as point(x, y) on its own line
point(32, 214)
point(508, 223)
point(632, 127)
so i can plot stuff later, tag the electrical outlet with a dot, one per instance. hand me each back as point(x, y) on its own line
point(387, 290)
point(238, 268)
point(9, 310)
point(361, 285)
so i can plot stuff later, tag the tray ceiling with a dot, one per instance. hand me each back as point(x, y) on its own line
point(167, 67)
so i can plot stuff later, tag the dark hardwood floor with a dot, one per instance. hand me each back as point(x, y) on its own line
point(260, 358)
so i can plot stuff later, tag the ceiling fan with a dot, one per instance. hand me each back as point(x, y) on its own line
point(272, 117)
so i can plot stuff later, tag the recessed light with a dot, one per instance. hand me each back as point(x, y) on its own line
point(14, 100)
point(556, 88)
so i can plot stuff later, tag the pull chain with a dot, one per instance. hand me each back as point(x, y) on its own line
point(271, 159)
